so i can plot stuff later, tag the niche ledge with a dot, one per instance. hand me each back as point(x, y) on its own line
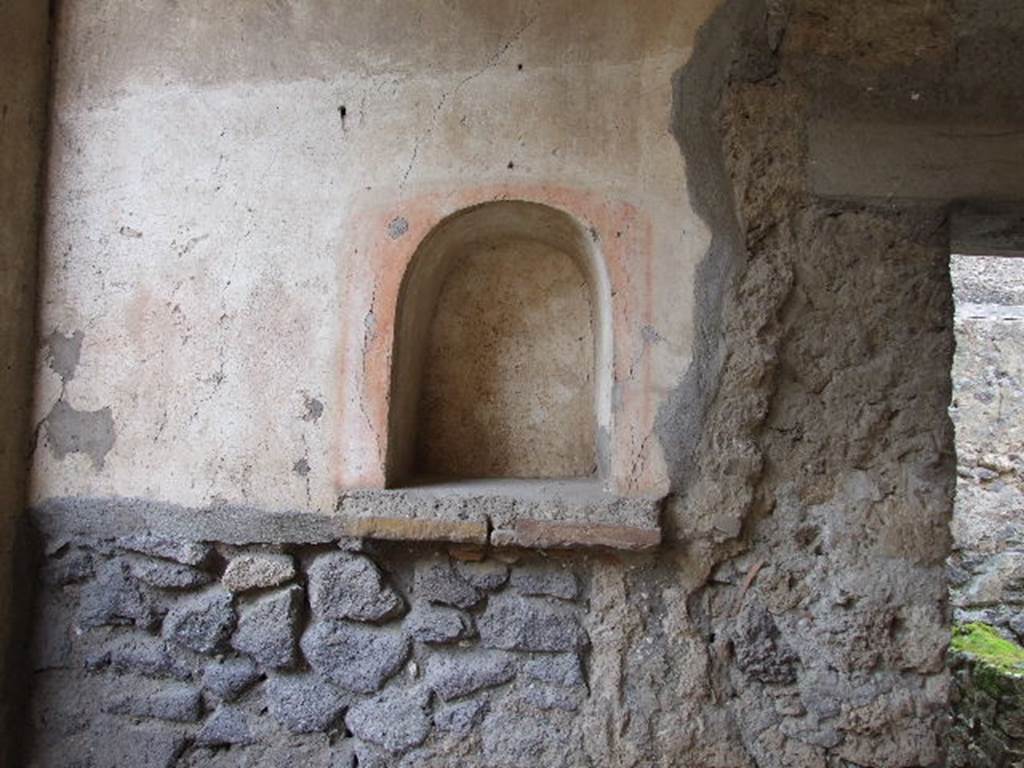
point(538, 514)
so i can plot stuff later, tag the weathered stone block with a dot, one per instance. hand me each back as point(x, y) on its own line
point(230, 678)
point(165, 574)
point(268, 629)
point(258, 570)
point(344, 585)
point(438, 624)
point(304, 703)
point(458, 674)
point(524, 624)
point(760, 650)
point(114, 598)
point(185, 552)
point(487, 574)
point(396, 721)
point(436, 580)
point(202, 623)
point(545, 579)
point(227, 726)
point(357, 657)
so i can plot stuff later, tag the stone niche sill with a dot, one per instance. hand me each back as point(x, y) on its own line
point(543, 514)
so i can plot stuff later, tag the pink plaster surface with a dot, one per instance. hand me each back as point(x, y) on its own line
point(371, 279)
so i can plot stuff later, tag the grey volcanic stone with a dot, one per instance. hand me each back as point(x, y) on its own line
point(230, 678)
point(357, 657)
point(177, 702)
point(202, 623)
point(142, 655)
point(228, 725)
point(185, 552)
point(558, 669)
point(268, 629)
point(257, 570)
point(396, 721)
point(436, 580)
point(462, 717)
point(553, 697)
point(458, 674)
point(760, 650)
point(344, 585)
point(114, 598)
point(305, 703)
point(521, 624)
point(73, 566)
point(551, 579)
point(438, 624)
point(488, 574)
point(166, 574)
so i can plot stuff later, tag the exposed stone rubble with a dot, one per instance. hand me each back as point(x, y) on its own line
point(268, 670)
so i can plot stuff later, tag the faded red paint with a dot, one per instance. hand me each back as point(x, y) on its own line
point(380, 261)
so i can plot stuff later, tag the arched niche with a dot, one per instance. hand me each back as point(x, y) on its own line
point(502, 350)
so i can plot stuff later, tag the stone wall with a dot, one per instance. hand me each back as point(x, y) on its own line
point(987, 564)
point(153, 652)
point(797, 612)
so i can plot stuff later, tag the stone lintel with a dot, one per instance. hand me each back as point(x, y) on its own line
point(531, 514)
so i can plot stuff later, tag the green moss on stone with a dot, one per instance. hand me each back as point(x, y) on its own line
point(998, 667)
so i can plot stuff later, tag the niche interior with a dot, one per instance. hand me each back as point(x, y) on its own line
point(502, 350)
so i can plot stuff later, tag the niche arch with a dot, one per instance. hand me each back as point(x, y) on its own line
point(502, 242)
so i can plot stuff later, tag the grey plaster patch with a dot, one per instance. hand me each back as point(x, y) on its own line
point(553, 697)
point(177, 702)
point(395, 720)
point(559, 668)
point(313, 408)
point(304, 703)
point(64, 353)
point(397, 227)
point(357, 657)
point(70, 430)
point(139, 654)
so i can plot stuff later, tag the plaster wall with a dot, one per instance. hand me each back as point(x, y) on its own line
point(213, 214)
